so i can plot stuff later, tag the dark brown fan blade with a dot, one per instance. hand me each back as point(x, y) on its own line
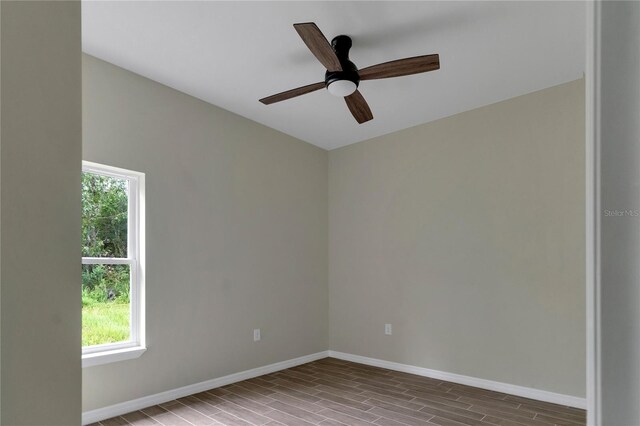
point(401, 67)
point(318, 45)
point(359, 107)
point(292, 93)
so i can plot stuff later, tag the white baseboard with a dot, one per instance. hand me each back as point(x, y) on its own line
point(540, 395)
point(136, 404)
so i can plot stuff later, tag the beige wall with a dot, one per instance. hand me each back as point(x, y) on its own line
point(40, 149)
point(236, 234)
point(466, 234)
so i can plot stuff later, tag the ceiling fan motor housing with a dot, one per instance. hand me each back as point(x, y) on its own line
point(341, 45)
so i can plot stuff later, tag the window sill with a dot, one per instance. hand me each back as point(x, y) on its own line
point(107, 357)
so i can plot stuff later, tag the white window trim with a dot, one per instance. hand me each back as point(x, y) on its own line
point(136, 346)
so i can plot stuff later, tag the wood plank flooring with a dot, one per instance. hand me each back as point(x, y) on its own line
point(335, 392)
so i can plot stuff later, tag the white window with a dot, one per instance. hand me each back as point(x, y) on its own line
point(112, 264)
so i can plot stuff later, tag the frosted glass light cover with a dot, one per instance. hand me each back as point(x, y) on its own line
point(342, 88)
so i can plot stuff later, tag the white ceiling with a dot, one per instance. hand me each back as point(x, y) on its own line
point(231, 54)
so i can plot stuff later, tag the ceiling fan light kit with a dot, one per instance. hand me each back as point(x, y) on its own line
point(342, 77)
point(341, 88)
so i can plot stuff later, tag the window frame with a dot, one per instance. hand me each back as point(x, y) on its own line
point(136, 345)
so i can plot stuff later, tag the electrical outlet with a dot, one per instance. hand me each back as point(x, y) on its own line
point(256, 335)
point(387, 329)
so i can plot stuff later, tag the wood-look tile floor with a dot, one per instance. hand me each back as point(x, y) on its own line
point(334, 392)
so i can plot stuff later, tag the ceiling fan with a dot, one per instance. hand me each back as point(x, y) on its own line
point(343, 77)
